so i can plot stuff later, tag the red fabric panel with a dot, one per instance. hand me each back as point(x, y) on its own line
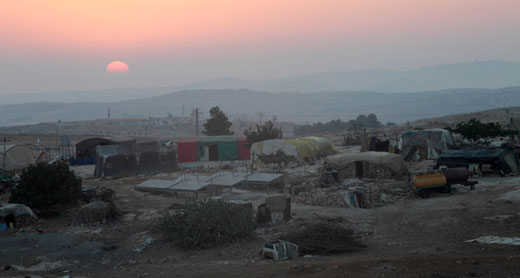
point(187, 149)
point(244, 152)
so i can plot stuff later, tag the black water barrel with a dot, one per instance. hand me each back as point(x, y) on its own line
point(456, 175)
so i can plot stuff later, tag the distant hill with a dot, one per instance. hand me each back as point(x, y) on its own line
point(486, 75)
point(251, 105)
point(498, 115)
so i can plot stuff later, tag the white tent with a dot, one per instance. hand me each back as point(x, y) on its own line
point(299, 147)
point(15, 157)
point(431, 142)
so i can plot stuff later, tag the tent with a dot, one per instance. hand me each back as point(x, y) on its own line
point(392, 161)
point(502, 160)
point(424, 144)
point(300, 147)
point(15, 157)
point(86, 149)
point(143, 158)
point(212, 148)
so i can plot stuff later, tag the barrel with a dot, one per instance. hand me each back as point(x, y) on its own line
point(430, 179)
point(456, 175)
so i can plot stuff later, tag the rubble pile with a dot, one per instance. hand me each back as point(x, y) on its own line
point(371, 171)
point(321, 197)
point(355, 193)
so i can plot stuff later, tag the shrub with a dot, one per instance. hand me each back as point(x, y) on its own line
point(280, 159)
point(263, 132)
point(47, 187)
point(212, 223)
point(324, 238)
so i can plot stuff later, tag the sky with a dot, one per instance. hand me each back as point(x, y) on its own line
point(59, 45)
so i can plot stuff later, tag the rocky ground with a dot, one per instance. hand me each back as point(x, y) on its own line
point(406, 237)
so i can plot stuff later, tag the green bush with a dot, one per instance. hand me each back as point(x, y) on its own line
point(208, 224)
point(280, 159)
point(47, 187)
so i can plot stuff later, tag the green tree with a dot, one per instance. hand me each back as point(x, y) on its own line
point(263, 132)
point(218, 124)
point(47, 187)
point(372, 121)
point(475, 129)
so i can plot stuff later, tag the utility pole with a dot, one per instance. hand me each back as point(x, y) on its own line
point(196, 121)
point(507, 119)
point(5, 155)
point(195, 112)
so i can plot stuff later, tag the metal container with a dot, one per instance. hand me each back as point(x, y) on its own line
point(430, 179)
point(456, 175)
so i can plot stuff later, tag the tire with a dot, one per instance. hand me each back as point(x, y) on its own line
point(425, 193)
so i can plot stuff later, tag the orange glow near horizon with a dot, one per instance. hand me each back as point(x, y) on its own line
point(129, 25)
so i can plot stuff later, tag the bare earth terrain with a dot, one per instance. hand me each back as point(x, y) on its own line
point(412, 237)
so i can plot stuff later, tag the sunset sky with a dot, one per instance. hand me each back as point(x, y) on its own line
point(57, 45)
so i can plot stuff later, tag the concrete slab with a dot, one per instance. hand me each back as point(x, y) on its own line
point(155, 184)
point(262, 178)
point(189, 185)
point(228, 178)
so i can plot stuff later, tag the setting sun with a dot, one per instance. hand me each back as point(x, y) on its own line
point(117, 67)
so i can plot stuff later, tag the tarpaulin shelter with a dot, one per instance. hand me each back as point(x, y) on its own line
point(503, 160)
point(15, 157)
point(142, 158)
point(212, 148)
point(300, 147)
point(86, 149)
point(424, 144)
point(392, 161)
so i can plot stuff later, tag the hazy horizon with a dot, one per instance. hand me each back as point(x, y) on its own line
point(57, 45)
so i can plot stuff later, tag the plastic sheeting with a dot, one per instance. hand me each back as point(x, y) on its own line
point(433, 141)
point(393, 161)
point(310, 146)
point(299, 147)
point(227, 146)
point(87, 147)
point(187, 149)
point(500, 159)
point(272, 146)
point(243, 149)
point(16, 210)
point(15, 157)
point(124, 160)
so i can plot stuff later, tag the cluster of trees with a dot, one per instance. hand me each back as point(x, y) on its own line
point(475, 129)
point(361, 122)
point(219, 124)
